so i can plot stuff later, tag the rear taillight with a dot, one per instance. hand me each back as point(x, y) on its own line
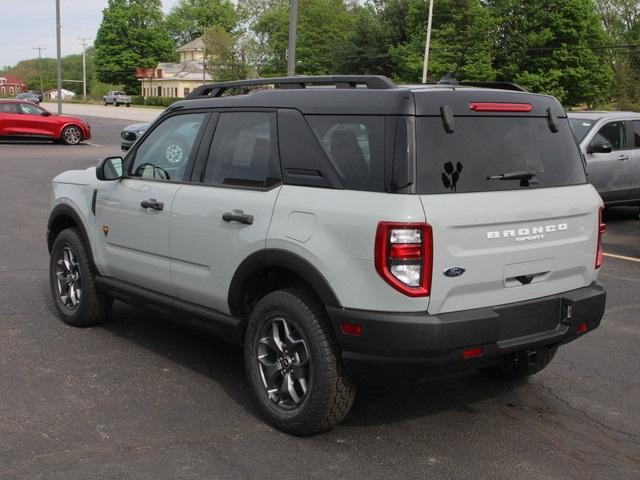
point(601, 229)
point(404, 256)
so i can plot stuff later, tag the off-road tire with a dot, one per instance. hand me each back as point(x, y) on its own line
point(331, 391)
point(517, 366)
point(93, 308)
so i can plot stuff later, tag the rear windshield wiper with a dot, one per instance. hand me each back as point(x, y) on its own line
point(526, 178)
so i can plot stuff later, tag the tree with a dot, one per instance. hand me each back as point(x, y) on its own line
point(188, 18)
point(131, 35)
point(621, 19)
point(323, 29)
point(553, 47)
point(229, 55)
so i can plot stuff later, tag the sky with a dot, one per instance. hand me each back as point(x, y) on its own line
point(26, 24)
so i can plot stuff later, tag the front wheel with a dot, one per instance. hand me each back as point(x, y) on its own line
point(71, 135)
point(72, 281)
point(293, 364)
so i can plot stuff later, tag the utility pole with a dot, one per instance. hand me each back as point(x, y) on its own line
point(204, 55)
point(59, 57)
point(293, 32)
point(40, 66)
point(84, 42)
point(427, 45)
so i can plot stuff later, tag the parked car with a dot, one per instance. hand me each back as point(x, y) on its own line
point(37, 93)
point(30, 97)
point(117, 98)
point(610, 142)
point(21, 119)
point(131, 134)
point(362, 234)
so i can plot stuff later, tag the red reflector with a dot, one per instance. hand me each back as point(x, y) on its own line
point(582, 327)
point(351, 329)
point(472, 352)
point(405, 252)
point(500, 107)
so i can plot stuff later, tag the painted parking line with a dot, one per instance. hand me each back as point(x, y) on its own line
point(93, 144)
point(622, 257)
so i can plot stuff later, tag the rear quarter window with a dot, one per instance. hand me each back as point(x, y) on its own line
point(355, 148)
point(481, 147)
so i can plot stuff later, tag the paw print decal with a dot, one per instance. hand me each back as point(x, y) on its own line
point(450, 176)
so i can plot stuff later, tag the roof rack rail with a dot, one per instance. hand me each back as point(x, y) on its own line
point(377, 82)
point(496, 85)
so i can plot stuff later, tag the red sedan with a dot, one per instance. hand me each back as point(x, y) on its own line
point(23, 119)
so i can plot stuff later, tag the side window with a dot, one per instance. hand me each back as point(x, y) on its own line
point(614, 133)
point(636, 134)
point(30, 109)
point(355, 146)
point(167, 151)
point(8, 108)
point(242, 151)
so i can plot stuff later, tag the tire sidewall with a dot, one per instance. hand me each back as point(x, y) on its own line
point(294, 314)
point(64, 140)
point(71, 240)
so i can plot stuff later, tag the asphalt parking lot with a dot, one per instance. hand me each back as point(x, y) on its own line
point(147, 399)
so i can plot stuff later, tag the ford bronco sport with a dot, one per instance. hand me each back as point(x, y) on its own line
point(343, 230)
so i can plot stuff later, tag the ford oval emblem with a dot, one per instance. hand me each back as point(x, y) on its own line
point(454, 271)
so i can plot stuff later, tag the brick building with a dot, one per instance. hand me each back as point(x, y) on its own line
point(11, 85)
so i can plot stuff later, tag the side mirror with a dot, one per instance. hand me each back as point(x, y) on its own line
point(46, 113)
point(109, 169)
point(600, 148)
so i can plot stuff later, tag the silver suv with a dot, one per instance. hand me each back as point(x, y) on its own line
point(610, 142)
point(350, 232)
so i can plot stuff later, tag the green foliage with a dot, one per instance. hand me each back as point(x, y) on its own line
point(548, 48)
point(323, 29)
point(137, 100)
point(132, 34)
point(161, 101)
point(188, 18)
point(228, 55)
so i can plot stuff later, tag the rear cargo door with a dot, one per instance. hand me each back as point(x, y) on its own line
point(506, 195)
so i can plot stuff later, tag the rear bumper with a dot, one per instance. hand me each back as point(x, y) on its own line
point(404, 346)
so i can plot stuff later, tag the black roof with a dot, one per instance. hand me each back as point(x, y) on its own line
point(360, 95)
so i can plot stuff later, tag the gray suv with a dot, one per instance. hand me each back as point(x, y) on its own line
point(352, 232)
point(610, 142)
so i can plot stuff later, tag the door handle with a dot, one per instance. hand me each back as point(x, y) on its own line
point(623, 157)
point(153, 204)
point(238, 216)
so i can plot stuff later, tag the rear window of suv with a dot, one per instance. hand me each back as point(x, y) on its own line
point(482, 147)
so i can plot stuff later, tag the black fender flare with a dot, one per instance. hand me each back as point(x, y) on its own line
point(283, 259)
point(64, 210)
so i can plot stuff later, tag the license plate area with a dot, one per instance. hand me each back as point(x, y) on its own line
point(529, 318)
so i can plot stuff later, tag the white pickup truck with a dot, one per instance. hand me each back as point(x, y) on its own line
point(116, 98)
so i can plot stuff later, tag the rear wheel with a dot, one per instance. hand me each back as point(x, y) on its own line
point(71, 135)
point(293, 364)
point(72, 281)
point(128, 105)
point(520, 365)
